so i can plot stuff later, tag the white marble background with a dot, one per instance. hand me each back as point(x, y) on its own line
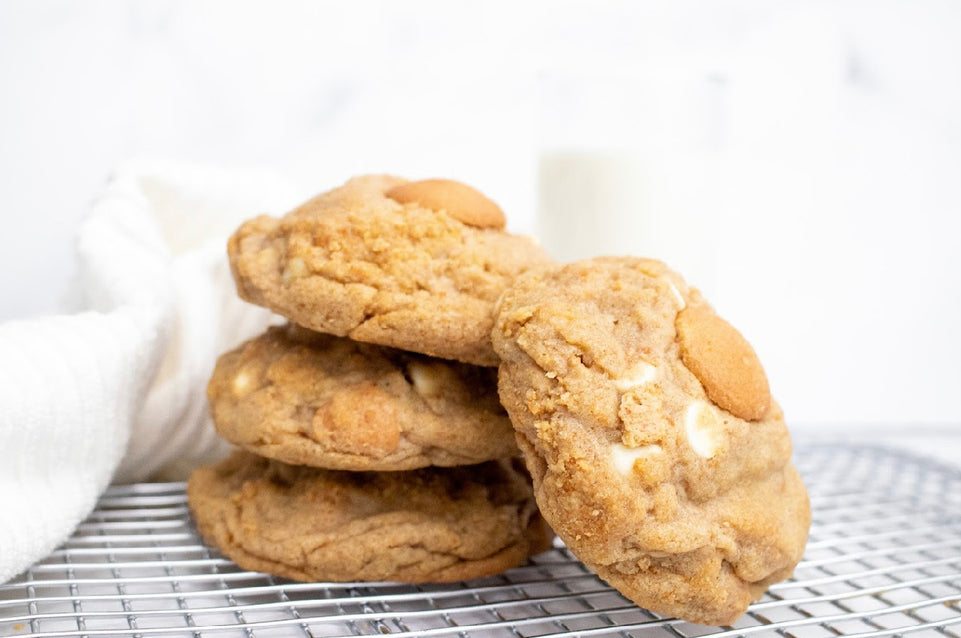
point(799, 161)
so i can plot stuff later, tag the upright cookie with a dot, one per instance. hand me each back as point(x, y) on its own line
point(412, 265)
point(308, 398)
point(646, 421)
point(309, 524)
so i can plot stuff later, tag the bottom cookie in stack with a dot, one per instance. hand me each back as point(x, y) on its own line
point(426, 525)
point(353, 489)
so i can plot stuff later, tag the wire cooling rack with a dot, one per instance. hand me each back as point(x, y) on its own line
point(883, 559)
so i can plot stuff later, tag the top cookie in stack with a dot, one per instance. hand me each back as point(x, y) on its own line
point(411, 265)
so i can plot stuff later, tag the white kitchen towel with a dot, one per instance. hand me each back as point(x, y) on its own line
point(116, 388)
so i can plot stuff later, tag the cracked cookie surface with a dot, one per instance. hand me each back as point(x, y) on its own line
point(309, 524)
point(354, 262)
point(623, 386)
point(308, 398)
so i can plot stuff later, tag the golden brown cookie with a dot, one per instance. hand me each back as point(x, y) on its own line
point(432, 524)
point(412, 265)
point(646, 421)
point(308, 398)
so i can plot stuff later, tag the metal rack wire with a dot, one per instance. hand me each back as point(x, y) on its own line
point(884, 559)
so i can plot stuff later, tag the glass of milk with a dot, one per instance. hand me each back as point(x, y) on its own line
point(626, 167)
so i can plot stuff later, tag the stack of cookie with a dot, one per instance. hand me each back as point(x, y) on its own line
point(373, 444)
point(645, 420)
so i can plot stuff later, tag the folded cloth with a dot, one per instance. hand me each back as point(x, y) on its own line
point(116, 389)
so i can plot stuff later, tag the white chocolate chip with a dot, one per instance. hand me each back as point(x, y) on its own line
point(426, 382)
point(677, 295)
point(241, 383)
point(701, 426)
point(637, 375)
point(623, 457)
point(296, 268)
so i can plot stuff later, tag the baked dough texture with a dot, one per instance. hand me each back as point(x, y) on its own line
point(638, 463)
point(354, 262)
point(310, 524)
point(308, 398)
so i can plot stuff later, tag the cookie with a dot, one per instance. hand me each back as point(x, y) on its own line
point(656, 450)
point(308, 398)
point(411, 265)
point(310, 524)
